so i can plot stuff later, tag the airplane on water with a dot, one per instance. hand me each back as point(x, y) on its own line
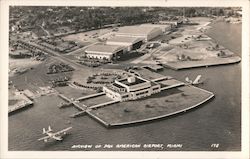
point(51, 135)
point(195, 82)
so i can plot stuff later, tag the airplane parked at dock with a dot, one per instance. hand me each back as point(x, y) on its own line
point(56, 136)
point(195, 82)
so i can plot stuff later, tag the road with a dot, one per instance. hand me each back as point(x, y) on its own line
point(144, 57)
point(57, 56)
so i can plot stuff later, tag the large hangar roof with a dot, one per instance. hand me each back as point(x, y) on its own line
point(104, 48)
point(124, 39)
point(137, 30)
point(162, 26)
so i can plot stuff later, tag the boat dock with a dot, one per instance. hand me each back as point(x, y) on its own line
point(90, 96)
point(73, 103)
point(20, 106)
point(104, 104)
point(78, 114)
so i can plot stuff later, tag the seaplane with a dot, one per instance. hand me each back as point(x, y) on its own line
point(195, 82)
point(51, 135)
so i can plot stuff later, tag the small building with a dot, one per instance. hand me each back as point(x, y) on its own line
point(147, 33)
point(131, 88)
point(164, 27)
point(107, 52)
point(131, 43)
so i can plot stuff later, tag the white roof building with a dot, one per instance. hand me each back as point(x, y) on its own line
point(101, 51)
point(164, 27)
point(129, 42)
point(147, 33)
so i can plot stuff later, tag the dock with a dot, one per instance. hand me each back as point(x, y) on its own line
point(173, 86)
point(73, 103)
point(104, 104)
point(90, 96)
point(78, 114)
point(202, 63)
point(20, 106)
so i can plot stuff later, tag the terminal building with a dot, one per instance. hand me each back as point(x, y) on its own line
point(145, 32)
point(131, 88)
point(107, 52)
point(131, 43)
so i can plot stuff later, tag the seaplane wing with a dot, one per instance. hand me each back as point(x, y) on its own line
point(62, 131)
point(197, 80)
point(44, 138)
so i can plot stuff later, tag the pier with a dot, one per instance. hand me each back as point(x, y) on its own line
point(20, 106)
point(104, 104)
point(173, 86)
point(90, 96)
point(73, 103)
point(202, 63)
point(78, 114)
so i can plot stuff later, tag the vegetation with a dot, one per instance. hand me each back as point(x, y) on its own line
point(66, 19)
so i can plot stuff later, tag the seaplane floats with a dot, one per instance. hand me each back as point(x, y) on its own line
point(194, 82)
point(58, 136)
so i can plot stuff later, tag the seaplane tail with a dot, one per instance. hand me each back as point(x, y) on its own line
point(47, 131)
point(197, 80)
point(188, 80)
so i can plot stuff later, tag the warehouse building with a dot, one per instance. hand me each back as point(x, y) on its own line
point(164, 27)
point(147, 33)
point(130, 43)
point(107, 52)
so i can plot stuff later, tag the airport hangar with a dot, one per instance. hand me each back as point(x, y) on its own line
point(126, 39)
point(101, 51)
point(131, 43)
point(164, 27)
point(145, 32)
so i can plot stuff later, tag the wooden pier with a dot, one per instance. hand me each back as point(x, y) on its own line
point(104, 104)
point(78, 114)
point(19, 107)
point(90, 96)
point(73, 103)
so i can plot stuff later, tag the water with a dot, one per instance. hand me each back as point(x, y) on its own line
point(217, 122)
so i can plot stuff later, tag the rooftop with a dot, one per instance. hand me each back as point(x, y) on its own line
point(137, 81)
point(155, 25)
point(104, 48)
point(123, 39)
point(136, 30)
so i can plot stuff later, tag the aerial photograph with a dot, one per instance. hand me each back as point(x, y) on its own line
point(92, 78)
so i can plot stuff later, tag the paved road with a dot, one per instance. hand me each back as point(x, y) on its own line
point(58, 56)
point(144, 57)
